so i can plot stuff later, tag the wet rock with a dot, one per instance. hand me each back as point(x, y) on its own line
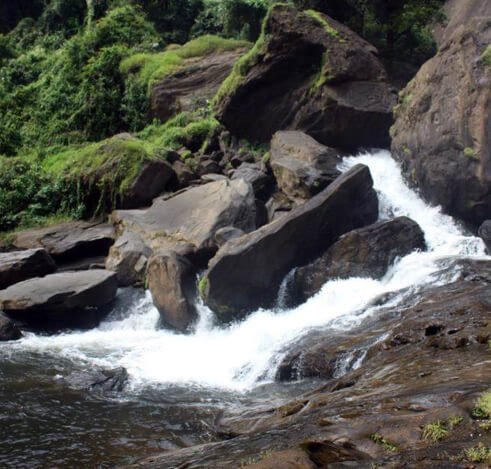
point(188, 221)
point(366, 252)
point(100, 381)
point(302, 166)
point(246, 272)
point(192, 86)
point(8, 330)
point(21, 265)
point(128, 257)
point(288, 459)
point(172, 281)
point(58, 300)
point(315, 75)
point(69, 241)
point(445, 149)
point(253, 174)
point(485, 234)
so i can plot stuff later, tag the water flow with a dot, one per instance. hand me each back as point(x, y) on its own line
point(238, 357)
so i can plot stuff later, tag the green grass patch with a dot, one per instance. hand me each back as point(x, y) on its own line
point(486, 57)
point(435, 431)
point(478, 454)
point(203, 285)
point(380, 440)
point(325, 24)
point(150, 68)
point(470, 152)
point(483, 406)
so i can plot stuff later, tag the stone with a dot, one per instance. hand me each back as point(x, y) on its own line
point(58, 300)
point(485, 234)
point(444, 148)
point(128, 257)
point(69, 241)
point(8, 330)
point(365, 252)
point(223, 235)
point(252, 173)
point(171, 280)
point(313, 74)
point(17, 266)
point(246, 272)
point(302, 166)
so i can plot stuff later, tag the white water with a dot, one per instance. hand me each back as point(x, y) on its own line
point(243, 355)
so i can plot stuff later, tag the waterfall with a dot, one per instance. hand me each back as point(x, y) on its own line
point(242, 355)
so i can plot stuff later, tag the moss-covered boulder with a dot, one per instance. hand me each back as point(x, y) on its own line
point(308, 72)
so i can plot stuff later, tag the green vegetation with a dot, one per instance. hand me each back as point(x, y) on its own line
point(470, 152)
point(486, 57)
point(455, 421)
point(320, 19)
point(483, 406)
point(203, 285)
point(478, 454)
point(380, 440)
point(435, 431)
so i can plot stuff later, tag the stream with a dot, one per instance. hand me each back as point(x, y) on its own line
point(181, 384)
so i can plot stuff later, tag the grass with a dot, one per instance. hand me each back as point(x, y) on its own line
point(435, 431)
point(203, 285)
point(483, 406)
point(486, 56)
point(470, 152)
point(380, 440)
point(151, 68)
point(478, 454)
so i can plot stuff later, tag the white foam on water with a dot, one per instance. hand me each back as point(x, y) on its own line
point(240, 356)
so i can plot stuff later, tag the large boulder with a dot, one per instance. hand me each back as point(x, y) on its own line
point(187, 222)
point(442, 133)
point(58, 300)
point(128, 257)
point(193, 85)
point(69, 241)
point(366, 252)
point(171, 280)
point(21, 265)
point(311, 73)
point(301, 165)
point(247, 271)
point(8, 330)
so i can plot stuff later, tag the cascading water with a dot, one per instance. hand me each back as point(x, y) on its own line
point(244, 355)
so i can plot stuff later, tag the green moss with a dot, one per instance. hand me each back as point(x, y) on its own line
point(380, 440)
point(246, 62)
point(470, 152)
point(151, 68)
point(486, 57)
point(435, 431)
point(483, 406)
point(324, 23)
point(203, 285)
point(478, 454)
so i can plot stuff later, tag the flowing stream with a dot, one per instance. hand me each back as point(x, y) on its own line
point(180, 383)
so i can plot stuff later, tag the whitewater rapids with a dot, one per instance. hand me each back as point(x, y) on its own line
point(244, 355)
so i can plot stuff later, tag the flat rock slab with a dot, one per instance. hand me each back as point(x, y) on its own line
point(59, 299)
point(190, 219)
point(69, 241)
point(21, 265)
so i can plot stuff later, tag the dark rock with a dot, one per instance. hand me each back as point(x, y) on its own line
point(8, 330)
point(253, 174)
point(69, 241)
point(302, 167)
point(446, 148)
point(315, 76)
point(278, 205)
point(172, 281)
point(128, 257)
point(366, 252)
point(58, 300)
point(183, 173)
point(22, 265)
point(100, 381)
point(193, 85)
point(223, 235)
point(188, 221)
point(247, 272)
point(153, 179)
point(485, 234)
point(208, 166)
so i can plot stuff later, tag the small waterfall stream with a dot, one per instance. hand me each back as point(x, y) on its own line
point(243, 356)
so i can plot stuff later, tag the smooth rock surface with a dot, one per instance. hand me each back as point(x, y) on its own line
point(68, 298)
point(246, 272)
point(172, 281)
point(315, 76)
point(17, 266)
point(366, 252)
point(8, 330)
point(69, 241)
point(301, 165)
